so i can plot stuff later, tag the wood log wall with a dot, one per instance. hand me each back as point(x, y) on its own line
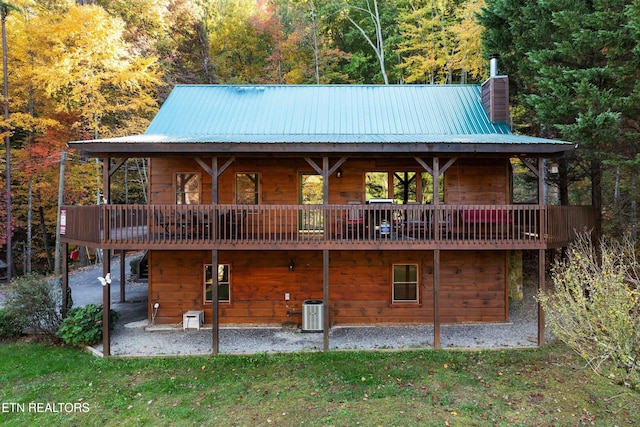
point(473, 286)
point(473, 283)
point(467, 181)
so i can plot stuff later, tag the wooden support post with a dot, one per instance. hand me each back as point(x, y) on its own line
point(436, 298)
point(436, 199)
point(122, 276)
point(106, 261)
point(325, 297)
point(215, 321)
point(65, 279)
point(106, 304)
point(325, 254)
point(541, 288)
point(215, 312)
point(541, 253)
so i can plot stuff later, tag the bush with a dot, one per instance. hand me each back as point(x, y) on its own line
point(36, 303)
point(10, 326)
point(83, 325)
point(595, 306)
point(134, 263)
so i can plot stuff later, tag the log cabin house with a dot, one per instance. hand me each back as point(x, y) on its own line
point(354, 204)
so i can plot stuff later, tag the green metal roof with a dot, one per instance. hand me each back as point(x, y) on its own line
point(272, 113)
point(322, 114)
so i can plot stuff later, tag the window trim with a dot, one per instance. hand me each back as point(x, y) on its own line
point(393, 284)
point(204, 283)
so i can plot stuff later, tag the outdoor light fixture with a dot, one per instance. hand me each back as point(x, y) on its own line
point(553, 167)
point(292, 265)
point(339, 173)
point(155, 312)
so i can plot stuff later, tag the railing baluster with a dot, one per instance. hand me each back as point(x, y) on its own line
point(140, 225)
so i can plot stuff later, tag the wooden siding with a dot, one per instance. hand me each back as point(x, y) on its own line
point(495, 98)
point(473, 287)
point(478, 181)
point(279, 178)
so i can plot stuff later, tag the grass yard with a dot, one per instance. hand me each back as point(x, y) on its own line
point(53, 386)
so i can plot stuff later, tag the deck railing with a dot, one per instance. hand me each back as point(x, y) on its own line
point(166, 225)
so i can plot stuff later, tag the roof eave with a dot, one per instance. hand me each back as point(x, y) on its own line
point(99, 149)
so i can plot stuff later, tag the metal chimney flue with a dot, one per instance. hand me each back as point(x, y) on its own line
point(493, 65)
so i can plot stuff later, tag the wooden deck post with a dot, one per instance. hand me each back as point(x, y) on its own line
point(436, 254)
point(436, 298)
point(325, 297)
point(122, 276)
point(215, 312)
point(541, 288)
point(325, 255)
point(106, 304)
point(215, 320)
point(65, 279)
point(541, 252)
point(106, 261)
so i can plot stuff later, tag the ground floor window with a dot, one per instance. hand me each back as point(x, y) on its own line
point(405, 283)
point(223, 283)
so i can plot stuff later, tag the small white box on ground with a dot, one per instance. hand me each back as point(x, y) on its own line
point(193, 319)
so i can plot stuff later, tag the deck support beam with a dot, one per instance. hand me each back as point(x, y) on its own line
point(106, 304)
point(436, 299)
point(215, 320)
point(106, 260)
point(436, 257)
point(65, 280)
point(541, 252)
point(215, 311)
point(541, 288)
point(326, 172)
point(325, 298)
point(122, 275)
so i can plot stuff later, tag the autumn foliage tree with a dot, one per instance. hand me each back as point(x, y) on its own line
point(73, 77)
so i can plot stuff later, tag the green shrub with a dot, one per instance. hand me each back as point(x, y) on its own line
point(36, 303)
point(83, 325)
point(10, 326)
point(595, 307)
point(134, 263)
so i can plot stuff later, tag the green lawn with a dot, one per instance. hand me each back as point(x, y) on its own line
point(53, 386)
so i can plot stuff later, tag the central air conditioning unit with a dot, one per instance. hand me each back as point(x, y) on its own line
point(312, 316)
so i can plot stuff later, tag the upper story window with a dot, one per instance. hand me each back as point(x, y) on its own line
point(187, 188)
point(403, 186)
point(247, 188)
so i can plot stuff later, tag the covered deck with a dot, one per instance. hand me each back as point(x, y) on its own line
point(309, 227)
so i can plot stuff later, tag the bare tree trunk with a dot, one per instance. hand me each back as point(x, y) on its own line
point(378, 46)
point(4, 11)
point(314, 29)
point(142, 172)
point(45, 238)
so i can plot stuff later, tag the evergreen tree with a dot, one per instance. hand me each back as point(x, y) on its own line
point(575, 66)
